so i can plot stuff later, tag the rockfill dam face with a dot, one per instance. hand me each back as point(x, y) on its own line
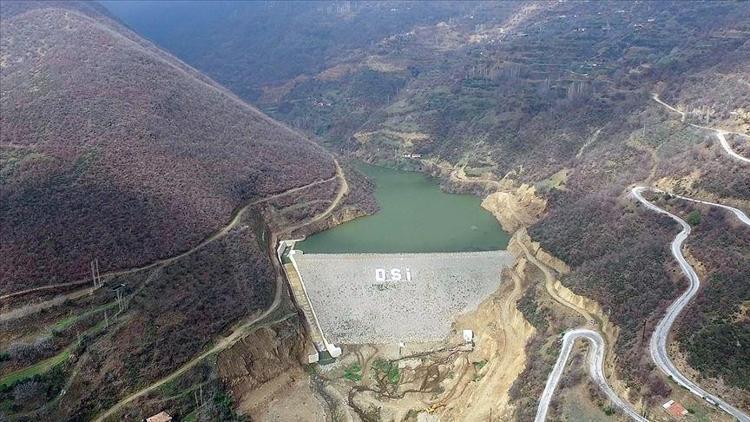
point(393, 298)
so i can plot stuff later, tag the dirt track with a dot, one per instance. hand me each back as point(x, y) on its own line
point(249, 324)
point(236, 218)
point(718, 132)
point(601, 348)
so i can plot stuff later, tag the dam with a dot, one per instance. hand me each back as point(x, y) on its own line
point(402, 275)
point(392, 298)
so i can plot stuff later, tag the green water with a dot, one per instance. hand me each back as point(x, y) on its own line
point(415, 216)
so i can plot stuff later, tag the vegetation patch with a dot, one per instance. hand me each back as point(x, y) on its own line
point(36, 369)
point(30, 393)
point(386, 371)
point(353, 372)
point(69, 321)
point(694, 218)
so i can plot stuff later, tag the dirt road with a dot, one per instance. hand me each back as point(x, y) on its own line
point(236, 218)
point(241, 331)
point(596, 355)
point(243, 328)
point(718, 132)
point(340, 193)
point(728, 148)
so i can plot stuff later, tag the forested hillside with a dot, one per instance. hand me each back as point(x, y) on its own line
point(249, 46)
point(114, 150)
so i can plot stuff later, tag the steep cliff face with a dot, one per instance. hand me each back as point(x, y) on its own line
point(517, 208)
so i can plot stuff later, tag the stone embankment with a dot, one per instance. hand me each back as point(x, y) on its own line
point(392, 298)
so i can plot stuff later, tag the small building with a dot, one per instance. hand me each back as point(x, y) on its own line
point(674, 409)
point(160, 417)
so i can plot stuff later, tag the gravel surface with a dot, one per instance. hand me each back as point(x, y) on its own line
point(356, 303)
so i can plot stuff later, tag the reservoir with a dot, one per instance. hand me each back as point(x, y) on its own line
point(415, 216)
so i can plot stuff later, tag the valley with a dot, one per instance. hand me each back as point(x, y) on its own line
point(438, 211)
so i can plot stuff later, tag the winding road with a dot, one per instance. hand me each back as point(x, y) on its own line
point(658, 343)
point(727, 147)
point(596, 363)
point(596, 355)
point(718, 132)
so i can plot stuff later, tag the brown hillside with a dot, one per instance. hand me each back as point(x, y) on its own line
point(113, 149)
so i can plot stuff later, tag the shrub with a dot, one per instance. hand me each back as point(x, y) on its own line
point(28, 391)
point(353, 372)
point(28, 353)
point(694, 218)
point(386, 371)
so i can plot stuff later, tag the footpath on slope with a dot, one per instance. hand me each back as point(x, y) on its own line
point(244, 328)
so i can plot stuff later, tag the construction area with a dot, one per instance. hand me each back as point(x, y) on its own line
point(390, 298)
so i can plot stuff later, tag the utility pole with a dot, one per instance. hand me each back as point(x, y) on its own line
point(120, 303)
point(95, 275)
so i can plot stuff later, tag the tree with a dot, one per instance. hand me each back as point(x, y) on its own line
point(694, 218)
